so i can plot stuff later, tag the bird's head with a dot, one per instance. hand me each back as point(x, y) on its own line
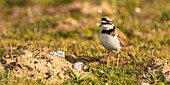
point(106, 23)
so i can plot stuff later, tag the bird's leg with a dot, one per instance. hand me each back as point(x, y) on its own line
point(117, 57)
point(108, 58)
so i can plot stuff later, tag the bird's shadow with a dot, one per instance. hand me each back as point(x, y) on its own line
point(86, 60)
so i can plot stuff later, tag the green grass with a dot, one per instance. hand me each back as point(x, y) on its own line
point(42, 24)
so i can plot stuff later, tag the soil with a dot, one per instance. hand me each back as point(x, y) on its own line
point(39, 65)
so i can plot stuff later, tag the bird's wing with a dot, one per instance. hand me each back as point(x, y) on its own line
point(124, 41)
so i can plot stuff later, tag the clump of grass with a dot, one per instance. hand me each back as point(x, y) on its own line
point(165, 16)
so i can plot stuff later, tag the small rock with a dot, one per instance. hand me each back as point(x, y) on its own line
point(58, 53)
point(78, 65)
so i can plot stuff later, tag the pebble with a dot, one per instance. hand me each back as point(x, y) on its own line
point(78, 65)
point(58, 53)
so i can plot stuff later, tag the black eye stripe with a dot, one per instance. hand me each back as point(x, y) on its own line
point(103, 19)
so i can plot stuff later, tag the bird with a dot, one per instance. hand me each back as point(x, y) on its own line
point(112, 38)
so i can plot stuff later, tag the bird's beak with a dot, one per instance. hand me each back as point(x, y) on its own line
point(100, 25)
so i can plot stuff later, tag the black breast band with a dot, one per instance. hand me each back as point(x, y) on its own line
point(108, 31)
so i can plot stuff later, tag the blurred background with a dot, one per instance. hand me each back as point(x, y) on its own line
point(31, 19)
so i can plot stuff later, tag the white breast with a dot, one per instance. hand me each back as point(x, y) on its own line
point(111, 43)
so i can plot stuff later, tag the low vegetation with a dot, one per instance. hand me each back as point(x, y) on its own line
point(71, 26)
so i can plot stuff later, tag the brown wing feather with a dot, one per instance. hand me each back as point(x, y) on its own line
point(124, 41)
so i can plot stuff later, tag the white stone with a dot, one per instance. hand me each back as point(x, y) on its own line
point(78, 65)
